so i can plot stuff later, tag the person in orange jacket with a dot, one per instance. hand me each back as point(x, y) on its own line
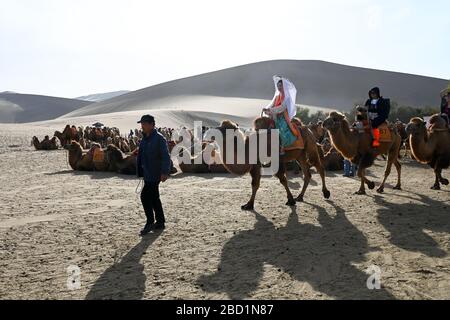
point(378, 111)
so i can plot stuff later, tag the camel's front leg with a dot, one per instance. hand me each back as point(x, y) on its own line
point(283, 179)
point(255, 172)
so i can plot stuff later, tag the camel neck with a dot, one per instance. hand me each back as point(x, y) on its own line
point(421, 147)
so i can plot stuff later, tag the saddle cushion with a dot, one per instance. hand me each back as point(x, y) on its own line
point(385, 133)
point(99, 155)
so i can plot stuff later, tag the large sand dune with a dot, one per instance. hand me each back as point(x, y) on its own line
point(243, 90)
point(21, 108)
point(97, 97)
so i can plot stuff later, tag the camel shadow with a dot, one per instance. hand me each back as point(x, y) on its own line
point(206, 176)
point(96, 175)
point(407, 222)
point(124, 280)
point(322, 256)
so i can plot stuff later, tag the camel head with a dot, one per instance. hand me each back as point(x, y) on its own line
point(262, 123)
point(113, 153)
point(334, 121)
point(74, 146)
point(438, 122)
point(362, 113)
point(416, 126)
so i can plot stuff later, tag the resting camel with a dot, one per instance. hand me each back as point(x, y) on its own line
point(431, 147)
point(357, 147)
point(46, 144)
point(308, 155)
point(192, 167)
point(85, 161)
point(68, 135)
point(118, 162)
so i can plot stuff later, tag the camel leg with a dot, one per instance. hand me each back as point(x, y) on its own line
point(362, 176)
point(387, 172)
point(437, 185)
point(442, 180)
point(320, 168)
point(306, 176)
point(281, 175)
point(398, 167)
point(255, 172)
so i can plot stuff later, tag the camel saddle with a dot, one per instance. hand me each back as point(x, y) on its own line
point(99, 155)
point(295, 126)
point(385, 132)
point(299, 144)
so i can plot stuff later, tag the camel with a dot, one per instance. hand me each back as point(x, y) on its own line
point(401, 129)
point(118, 162)
point(431, 147)
point(68, 135)
point(318, 131)
point(46, 144)
point(192, 167)
point(357, 147)
point(333, 160)
point(86, 161)
point(78, 160)
point(302, 156)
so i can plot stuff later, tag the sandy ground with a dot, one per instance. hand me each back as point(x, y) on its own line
point(52, 218)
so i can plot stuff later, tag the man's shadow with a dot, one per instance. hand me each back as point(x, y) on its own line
point(124, 280)
point(321, 255)
point(406, 223)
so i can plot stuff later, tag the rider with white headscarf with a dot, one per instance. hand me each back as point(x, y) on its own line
point(282, 109)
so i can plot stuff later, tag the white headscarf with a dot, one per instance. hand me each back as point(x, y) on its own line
point(290, 95)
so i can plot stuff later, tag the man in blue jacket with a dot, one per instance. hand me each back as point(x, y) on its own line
point(153, 164)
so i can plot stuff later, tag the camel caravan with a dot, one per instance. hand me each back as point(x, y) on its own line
point(325, 145)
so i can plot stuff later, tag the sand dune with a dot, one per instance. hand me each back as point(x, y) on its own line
point(128, 120)
point(21, 108)
point(242, 90)
point(97, 97)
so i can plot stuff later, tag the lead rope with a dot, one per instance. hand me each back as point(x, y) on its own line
point(138, 191)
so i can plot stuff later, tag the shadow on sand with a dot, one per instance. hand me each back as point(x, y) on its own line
point(93, 174)
point(321, 255)
point(124, 280)
point(407, 223)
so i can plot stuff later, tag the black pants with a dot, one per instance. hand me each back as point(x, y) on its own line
point(151, 202)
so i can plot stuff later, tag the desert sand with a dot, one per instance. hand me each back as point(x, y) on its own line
point(52, 218)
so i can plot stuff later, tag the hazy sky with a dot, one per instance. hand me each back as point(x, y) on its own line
point(76, 47)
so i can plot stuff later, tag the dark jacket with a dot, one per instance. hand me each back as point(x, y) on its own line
point(153, 159)
point(380, 111)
